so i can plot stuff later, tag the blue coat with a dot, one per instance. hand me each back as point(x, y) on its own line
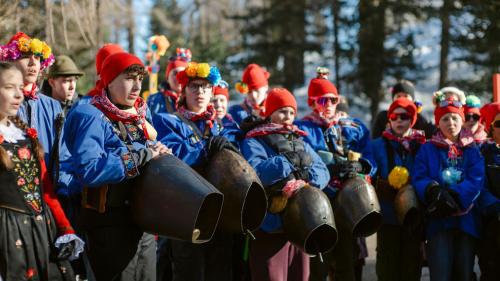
point(44, 111)
point(429, 164)
point(272, 167)
point(157, 103)
point(356, 137)
point(98, 155)
point(181, 138)
point(239, 113)
point(380, 156)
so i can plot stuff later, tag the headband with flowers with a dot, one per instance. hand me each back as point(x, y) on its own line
point(22, 43)
point(199, 70)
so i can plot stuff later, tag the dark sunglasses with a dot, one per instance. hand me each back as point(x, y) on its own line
point(469, 117)
point(402, 116)
point(324, 100)
point(453, 103)
point(496, 124)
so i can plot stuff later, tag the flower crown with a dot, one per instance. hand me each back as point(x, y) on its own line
point(22, 43)
point(183, 54)
point(241, 87)
point(472, 101)
point(199, 70)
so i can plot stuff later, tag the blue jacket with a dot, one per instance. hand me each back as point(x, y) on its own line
point(157, 103)
point(239, 113)
point(355, 136)
point(98, 155)
point(181, 138)
point(272, 167)
point(380, 156)
point(428, 166)
point(43, 113)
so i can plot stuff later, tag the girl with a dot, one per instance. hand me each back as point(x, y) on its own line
point(447, 174)
point(284, 163)
point(30, 215)
point(398, 249)
point(254, 83)
point(472, 117)
point(195, 135)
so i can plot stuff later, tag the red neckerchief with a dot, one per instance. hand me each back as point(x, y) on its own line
point(319, 120)
point(96, 90)
point(414, 135)
point(32, 94)
point(208, 115)
point(454, 148)
point(173, 95)
point(273, 128)
point(103, 103)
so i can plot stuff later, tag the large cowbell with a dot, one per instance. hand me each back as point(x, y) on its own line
point(308, 221)
point(357, 207)
point(406, 207)
point(245, 201)
point(173, 200)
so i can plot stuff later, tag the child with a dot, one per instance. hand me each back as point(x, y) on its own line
point(30, 215)
point(398, 248)
point(472, 117)
point(284, 163)
point(448, 174)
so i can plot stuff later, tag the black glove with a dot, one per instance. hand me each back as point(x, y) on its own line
point(64, 250)
point(345, 169)
point(441, 202)
point(218, 143)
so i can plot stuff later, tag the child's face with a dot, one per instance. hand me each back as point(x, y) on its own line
point(126, 88)
point(257, 97)
point(29, 65)
point(63, 87)
point(220, 105)
point(198, 95)
point(172, 79)
point(11, 92)
point(283, 116)
point(400, 121)
point(450, 125)
point(327, 105)
point(495, 128)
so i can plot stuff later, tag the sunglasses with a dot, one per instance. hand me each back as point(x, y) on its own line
point(324, 100)
point(453, 103)
point(496, 124)
point(474, 117)
point(402, 116)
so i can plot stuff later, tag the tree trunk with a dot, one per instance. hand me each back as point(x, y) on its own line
point(371, 39)
point(336, 46)
point(293, 32)
point(130, 26)
point(445, 42)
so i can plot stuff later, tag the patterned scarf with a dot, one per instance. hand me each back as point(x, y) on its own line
point(104, 104)
point(31, 94)
point(319, 119)
point(454, 148)
point(208, 115)
point(414, 135)
point(480, 134)
point(273, 128)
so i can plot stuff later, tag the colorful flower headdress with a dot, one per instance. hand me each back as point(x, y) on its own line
point(22, 43)
point(199, 70)
point(183, 54)
point(472, 101)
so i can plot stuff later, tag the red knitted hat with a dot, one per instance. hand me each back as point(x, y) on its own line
point(319, 87)
point(104, 52)
point(173, 65)
point(116, 64)
point(451, 107)
point(469, 109)
point(278, 98)
point(488, 113)
point(408, 105)
point(255, 77)
point(221, 91)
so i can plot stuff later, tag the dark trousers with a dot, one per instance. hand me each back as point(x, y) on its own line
point(273, 258)
point(164, 260)
point(121, 253)
point(399, 256)
point(450, 255)
point(345, 256)
point(489, 251)
point(211, 261)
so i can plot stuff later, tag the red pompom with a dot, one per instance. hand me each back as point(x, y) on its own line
point(32, 133)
